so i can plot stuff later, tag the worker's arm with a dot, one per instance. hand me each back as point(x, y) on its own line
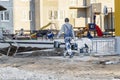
point(60, 32)
point(73, 33)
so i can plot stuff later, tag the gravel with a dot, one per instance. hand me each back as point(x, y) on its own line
point(9, 73)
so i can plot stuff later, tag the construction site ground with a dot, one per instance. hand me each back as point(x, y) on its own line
point(59, 68)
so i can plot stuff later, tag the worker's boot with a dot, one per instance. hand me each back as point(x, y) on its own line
point(64, 54)
point(70, 53)
point(71, 56)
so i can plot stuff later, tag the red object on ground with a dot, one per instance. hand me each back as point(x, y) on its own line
point(99, 31)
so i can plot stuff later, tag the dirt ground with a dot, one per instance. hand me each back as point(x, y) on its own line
point(60, 68)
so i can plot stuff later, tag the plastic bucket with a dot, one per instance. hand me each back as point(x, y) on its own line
point(84, 50)
point(56, 44)
point(74, 46)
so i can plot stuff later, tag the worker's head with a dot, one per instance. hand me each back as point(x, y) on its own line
point(66, 19)
point(22, 29)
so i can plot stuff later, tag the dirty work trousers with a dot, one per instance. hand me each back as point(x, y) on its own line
point(68, 46)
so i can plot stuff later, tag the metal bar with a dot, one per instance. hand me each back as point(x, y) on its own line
point(8, 51)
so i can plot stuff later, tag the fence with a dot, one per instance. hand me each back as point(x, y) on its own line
point(103, 45)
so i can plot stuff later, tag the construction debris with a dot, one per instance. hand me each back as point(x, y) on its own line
point(0, 54)
point(47, 52)
point(107, 62)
